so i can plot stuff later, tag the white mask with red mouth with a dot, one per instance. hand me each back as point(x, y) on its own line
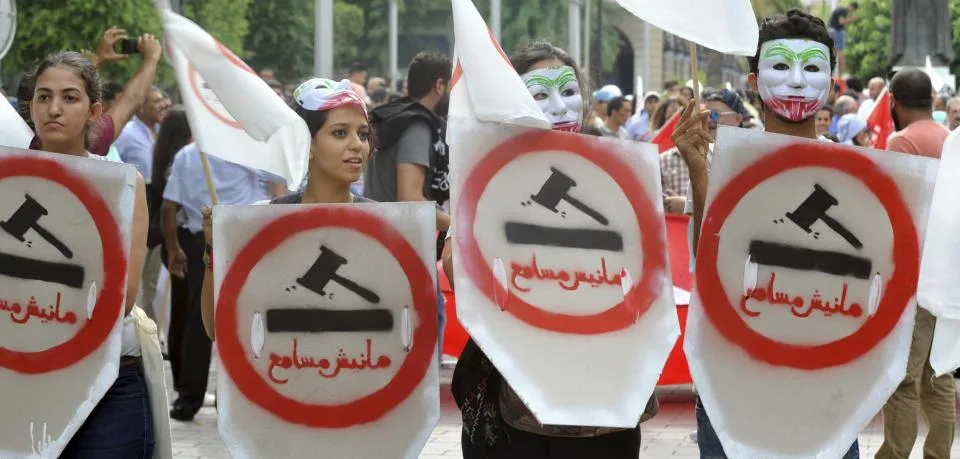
point(794, 77)
point(557, 92)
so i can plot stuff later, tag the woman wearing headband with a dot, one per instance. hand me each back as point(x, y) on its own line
point(337, 119)
point(496, 423)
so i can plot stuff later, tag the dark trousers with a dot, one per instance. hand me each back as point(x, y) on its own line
point(120, 426)
point(519, 444)
point(188, 345)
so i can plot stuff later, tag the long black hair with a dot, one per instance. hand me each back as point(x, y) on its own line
point(174, 135)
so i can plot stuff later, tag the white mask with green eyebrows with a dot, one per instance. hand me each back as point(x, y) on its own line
point(793, 77)
point(557, 91)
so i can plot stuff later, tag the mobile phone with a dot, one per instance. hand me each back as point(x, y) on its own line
point(128, 46)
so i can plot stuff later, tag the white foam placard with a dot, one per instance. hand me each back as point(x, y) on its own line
point(326, 323)
point(573, 220)
point(794, 360)
point(64, 237)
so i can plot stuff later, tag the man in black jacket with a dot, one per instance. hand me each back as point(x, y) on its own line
point(410, 162)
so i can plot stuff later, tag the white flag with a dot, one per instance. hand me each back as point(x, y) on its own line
point(935, 78)
point(940, 267)
point(485, 85)
point(234, 114)
point(727, 26)
point(945, 350)
point(14, 132)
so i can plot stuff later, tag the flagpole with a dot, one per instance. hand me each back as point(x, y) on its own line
point(208, 174)
point(495, 18)
point(392, 45)
point(323, 39)
point(694, 64)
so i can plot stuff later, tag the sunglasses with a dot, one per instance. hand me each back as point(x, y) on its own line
point(715, 115)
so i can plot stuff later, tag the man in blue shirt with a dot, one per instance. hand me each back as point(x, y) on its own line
point(135, 144)
point(639, 124)
point(184, 198)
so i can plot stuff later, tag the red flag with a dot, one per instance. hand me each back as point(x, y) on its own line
point(880, 121)
point(664, 139)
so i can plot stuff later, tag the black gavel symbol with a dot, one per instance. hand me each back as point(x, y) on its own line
point(556, 189)
point(815, 208)
point(27, 217)
point(325, 269)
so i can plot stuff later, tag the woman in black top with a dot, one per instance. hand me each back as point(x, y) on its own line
point(337, 119)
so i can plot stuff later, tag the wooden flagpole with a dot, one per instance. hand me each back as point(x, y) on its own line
point(208, 174)
point(696, 72)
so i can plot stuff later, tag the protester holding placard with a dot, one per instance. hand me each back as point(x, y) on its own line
point(496, 422)
point(64, 106)
point(792, 98)
point(918, 134)
point(337, 119)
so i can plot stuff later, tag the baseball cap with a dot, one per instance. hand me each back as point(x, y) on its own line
point(728, 97)
point(606, 93)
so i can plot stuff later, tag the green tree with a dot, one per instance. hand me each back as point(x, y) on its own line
point(282, 33)
point(75, 25)
point(224, 19)
point(281, 37)
point(525, 21)
point(868, 40)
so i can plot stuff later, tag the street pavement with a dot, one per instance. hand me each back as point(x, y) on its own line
point(666, 436)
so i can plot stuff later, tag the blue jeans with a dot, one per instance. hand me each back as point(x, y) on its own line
point(839, 39)
point(120, 426)
point(709, 442)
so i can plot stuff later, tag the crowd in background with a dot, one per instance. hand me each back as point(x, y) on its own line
point(141, 126)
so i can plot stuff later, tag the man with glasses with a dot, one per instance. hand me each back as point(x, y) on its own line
point(727, 109)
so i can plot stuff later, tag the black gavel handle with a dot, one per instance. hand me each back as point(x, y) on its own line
point(53, 241)
point(843, 232)
point(587, 210)
point(355, 288)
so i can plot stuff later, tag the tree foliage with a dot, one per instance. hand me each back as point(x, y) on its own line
point(224, 19)
point(45, 26)
point(282, 31)
point(281, 37)
point(869, 39)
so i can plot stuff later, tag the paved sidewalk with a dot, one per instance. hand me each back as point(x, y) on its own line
point(667, 435)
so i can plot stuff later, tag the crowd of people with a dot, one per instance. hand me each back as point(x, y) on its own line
point(73, 113)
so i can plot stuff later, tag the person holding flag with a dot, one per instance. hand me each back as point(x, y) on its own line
point(772, 75)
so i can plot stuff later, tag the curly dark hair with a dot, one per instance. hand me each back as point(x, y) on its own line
point(794, 24)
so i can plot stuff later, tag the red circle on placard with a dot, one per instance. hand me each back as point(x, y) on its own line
point(897, 292)
point(203, 100)
point(109, 303)
point(366, 409)
point(637, 301)
point(233, 57)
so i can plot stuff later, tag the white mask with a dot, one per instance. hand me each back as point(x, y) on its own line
point(793, 77)
point(557, 91)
